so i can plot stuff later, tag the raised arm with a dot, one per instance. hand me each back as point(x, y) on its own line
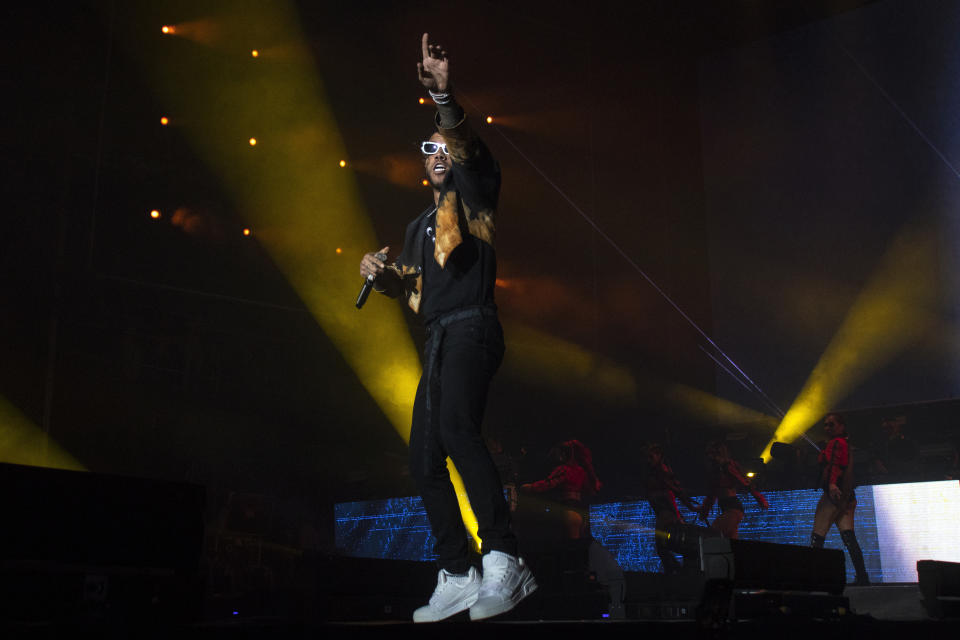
point(478, 175)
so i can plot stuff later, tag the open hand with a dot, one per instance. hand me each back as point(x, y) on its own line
point(434, 71)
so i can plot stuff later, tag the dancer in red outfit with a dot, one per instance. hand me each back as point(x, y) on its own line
point(726, 478)
point(839, 501)
point(573, 481)
point(663, 491)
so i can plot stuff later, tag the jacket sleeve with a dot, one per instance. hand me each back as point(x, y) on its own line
point(477, 173)
point(556, 478)
point(390, 282)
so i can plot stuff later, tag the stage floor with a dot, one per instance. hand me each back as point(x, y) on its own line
point(882, 611)
point(853, 627)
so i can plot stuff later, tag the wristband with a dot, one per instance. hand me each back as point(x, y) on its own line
point(440, 98)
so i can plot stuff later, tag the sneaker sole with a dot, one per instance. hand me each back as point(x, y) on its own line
point(528, 586)
point(467, 604)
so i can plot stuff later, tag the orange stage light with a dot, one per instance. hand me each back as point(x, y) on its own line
point(253, 142)
point(154, 214)
point(246, 232)
point(343, 163)
point(164, 121)
point(339, 250)
point(422, 100)
point(425, 182)
point(489, 119)
point(254, 53)
point(168, 29)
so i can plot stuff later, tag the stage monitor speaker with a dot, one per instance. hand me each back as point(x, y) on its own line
point(940, 588)
point(749, 564)
point(76, 544)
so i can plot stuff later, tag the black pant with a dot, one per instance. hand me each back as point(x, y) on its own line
point(461, 358)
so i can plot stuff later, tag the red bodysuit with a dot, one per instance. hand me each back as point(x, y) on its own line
point(834, 461)
point(570, 481)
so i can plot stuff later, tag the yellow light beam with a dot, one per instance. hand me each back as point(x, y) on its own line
point(557, 363)
point(23, 442)
point(892, 312)
point(706, 407)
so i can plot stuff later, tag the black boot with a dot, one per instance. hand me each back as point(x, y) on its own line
point(817, 540)
point(856, 556)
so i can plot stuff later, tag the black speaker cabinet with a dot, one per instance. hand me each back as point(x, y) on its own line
point(77, 545)
point(940, 588)
point(781, 567)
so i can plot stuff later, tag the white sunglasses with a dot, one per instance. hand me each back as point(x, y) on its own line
point(430, 148)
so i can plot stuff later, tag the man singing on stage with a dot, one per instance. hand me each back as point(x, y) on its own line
point(446, 273)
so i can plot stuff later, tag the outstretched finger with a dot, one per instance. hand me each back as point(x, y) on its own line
point(425, 45)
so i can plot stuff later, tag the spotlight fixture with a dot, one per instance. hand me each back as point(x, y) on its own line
point(253, 142)
point(155, 214)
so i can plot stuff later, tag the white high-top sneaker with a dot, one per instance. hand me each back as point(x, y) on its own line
point(506, 581)
point(453, 594)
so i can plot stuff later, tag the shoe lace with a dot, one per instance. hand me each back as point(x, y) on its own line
point(495, 575)
point(442, 581)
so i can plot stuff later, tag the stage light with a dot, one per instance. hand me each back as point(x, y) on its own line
point(246, 231)
point(339, 250)
point(164, 121)
point(489, 119)
point(255, 54)
point(425, 182)
point(343, 163)
point(154, 214)
point(750, 474)
point(422, 101)
point(167, 29)
point(253, 142)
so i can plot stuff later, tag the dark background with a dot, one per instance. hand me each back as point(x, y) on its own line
point(151, 351)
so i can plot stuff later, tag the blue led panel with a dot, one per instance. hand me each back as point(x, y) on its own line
point(896, 525)
point(396, 528)
point(625, 529)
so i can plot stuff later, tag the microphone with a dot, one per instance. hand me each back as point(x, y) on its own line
point(365, 291)
point(368, 283)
